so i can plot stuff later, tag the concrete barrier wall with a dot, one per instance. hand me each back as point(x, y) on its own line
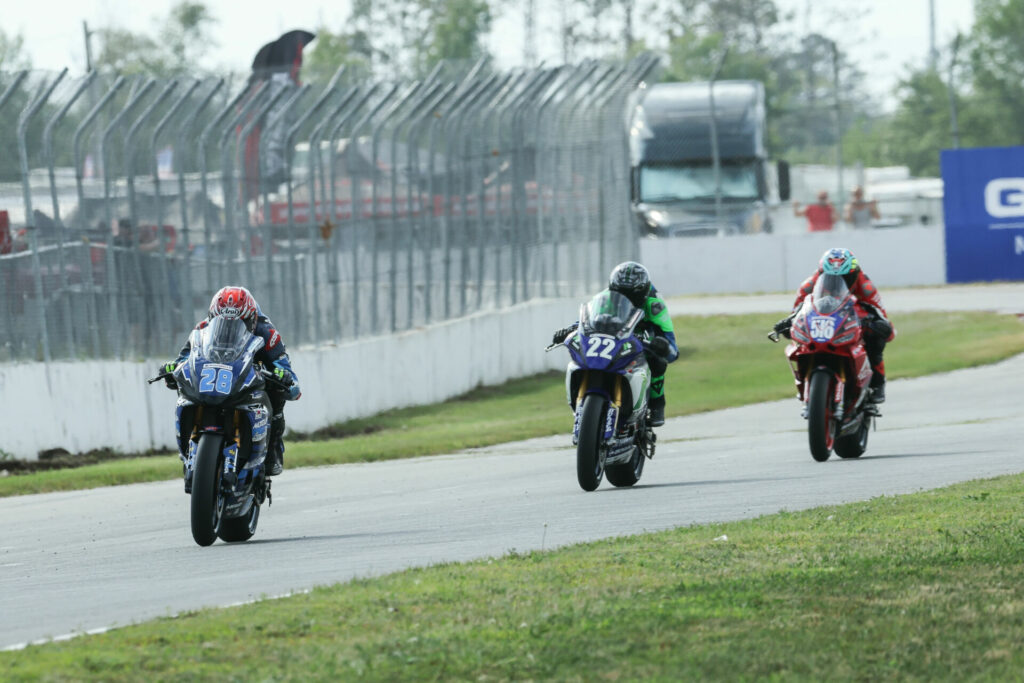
point(897, 257)
point(83, 405)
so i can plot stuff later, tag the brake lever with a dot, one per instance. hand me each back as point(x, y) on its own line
point(773, 336)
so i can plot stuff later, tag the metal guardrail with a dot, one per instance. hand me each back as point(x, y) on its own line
point(348, 209)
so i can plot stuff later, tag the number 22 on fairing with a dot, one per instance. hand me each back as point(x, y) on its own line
point(607, 344)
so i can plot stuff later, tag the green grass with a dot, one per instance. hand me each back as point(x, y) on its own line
point(919, 587)
point(725, 361)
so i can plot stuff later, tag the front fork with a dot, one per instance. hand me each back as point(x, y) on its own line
point(614, 411)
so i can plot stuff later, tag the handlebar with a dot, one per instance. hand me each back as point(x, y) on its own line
point(773, 336)
point(159, 377)
point(549, 347)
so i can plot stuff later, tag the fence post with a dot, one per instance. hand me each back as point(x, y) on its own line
point(70, 328)
point(357, 207)
point(112, 271)
point(9, 90)
point(409, 93)
point(314, 153)
point(418, 228)
point(411, 112)
point(165, 270)
point(204, 188)
point(453, 131)
point(187, 312)
point(234, 193)
point(335, 122)
point(27, 114)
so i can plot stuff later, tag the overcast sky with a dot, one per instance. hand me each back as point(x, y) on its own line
point(891, 33)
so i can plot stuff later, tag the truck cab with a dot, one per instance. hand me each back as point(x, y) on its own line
point(675, 190)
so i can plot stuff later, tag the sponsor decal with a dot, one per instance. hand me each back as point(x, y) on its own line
point(274, 339)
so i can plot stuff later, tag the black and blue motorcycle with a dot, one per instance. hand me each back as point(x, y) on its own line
point(606, 385)
point(222, 423)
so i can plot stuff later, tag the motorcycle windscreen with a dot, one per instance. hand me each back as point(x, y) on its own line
point(609, 313)
point(225, 340)
point(830, 291)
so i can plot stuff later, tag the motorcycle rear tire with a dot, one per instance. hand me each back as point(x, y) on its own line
point(238, 529)
point(821, 423)
point(589, 468)
point(207, 503)
point(627, 473)
point(854, 445)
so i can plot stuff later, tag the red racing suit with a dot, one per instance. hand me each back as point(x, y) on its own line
point(869, 306)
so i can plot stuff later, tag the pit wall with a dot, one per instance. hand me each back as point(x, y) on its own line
point(83, 405)
point(893, 257)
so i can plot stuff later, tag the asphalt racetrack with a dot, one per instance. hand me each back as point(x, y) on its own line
point(89, 560)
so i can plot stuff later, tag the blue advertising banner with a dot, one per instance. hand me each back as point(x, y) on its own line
point(983, 200)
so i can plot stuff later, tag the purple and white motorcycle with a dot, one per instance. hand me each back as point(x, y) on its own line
point(606, 385)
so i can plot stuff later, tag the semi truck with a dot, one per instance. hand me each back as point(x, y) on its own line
point(676, 189)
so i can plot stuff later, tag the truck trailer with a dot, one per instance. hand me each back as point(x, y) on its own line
point(675, 190)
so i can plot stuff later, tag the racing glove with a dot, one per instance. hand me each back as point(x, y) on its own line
point(287, 378)
point(167, 370)
point(659, 346)
point(562, 334)
point(783, 326)
point(880, 327)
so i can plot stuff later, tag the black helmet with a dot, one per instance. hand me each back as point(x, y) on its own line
point(632, 279)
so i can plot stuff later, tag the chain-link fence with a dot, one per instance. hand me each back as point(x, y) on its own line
point(348, 209)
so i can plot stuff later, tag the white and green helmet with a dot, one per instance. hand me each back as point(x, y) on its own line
point(838, 261)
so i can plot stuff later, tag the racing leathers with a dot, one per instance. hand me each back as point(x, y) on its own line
point(660, 351)
point(274, 357)
point(878, 331)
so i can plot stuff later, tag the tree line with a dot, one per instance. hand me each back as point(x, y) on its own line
point(816, 91)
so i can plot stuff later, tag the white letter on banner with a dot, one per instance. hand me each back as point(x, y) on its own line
point(1018, 245)
point(1004, 197)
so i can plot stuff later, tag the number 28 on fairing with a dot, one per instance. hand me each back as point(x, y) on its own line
point(216, 379)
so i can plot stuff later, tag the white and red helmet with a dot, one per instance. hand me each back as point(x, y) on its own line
point(235, 302)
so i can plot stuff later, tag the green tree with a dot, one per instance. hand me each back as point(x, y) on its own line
point(456, 30)
point(331, 50)
point(997, 66)
point(12, 52)
point(182, 39)
point(186, 36)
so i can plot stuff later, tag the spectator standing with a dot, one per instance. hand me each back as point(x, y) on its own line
point(820, 216)
point(859, 213)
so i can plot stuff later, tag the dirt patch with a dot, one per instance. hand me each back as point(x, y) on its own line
point(59, 459)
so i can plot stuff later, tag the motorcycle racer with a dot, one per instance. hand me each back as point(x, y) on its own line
point(633, 281)
point(878, 331)
point(237, 302)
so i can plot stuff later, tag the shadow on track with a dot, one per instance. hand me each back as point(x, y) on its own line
point(709, 482)
point(910, 455)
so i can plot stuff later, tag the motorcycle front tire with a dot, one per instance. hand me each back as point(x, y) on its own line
point(821, 423)
point(207, 502)
point(589, 467)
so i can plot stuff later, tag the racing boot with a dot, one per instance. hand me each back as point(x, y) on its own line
point(275, 450)
point(657, 401)
point(877, 387)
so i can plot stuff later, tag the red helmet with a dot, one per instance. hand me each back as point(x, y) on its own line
point(234, 302)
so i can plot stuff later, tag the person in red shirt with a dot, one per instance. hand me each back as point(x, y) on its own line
point(878, 331)
point(820, 216)
point(6, 244)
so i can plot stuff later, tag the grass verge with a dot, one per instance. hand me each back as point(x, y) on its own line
point(918, 587)
point(725, 361)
